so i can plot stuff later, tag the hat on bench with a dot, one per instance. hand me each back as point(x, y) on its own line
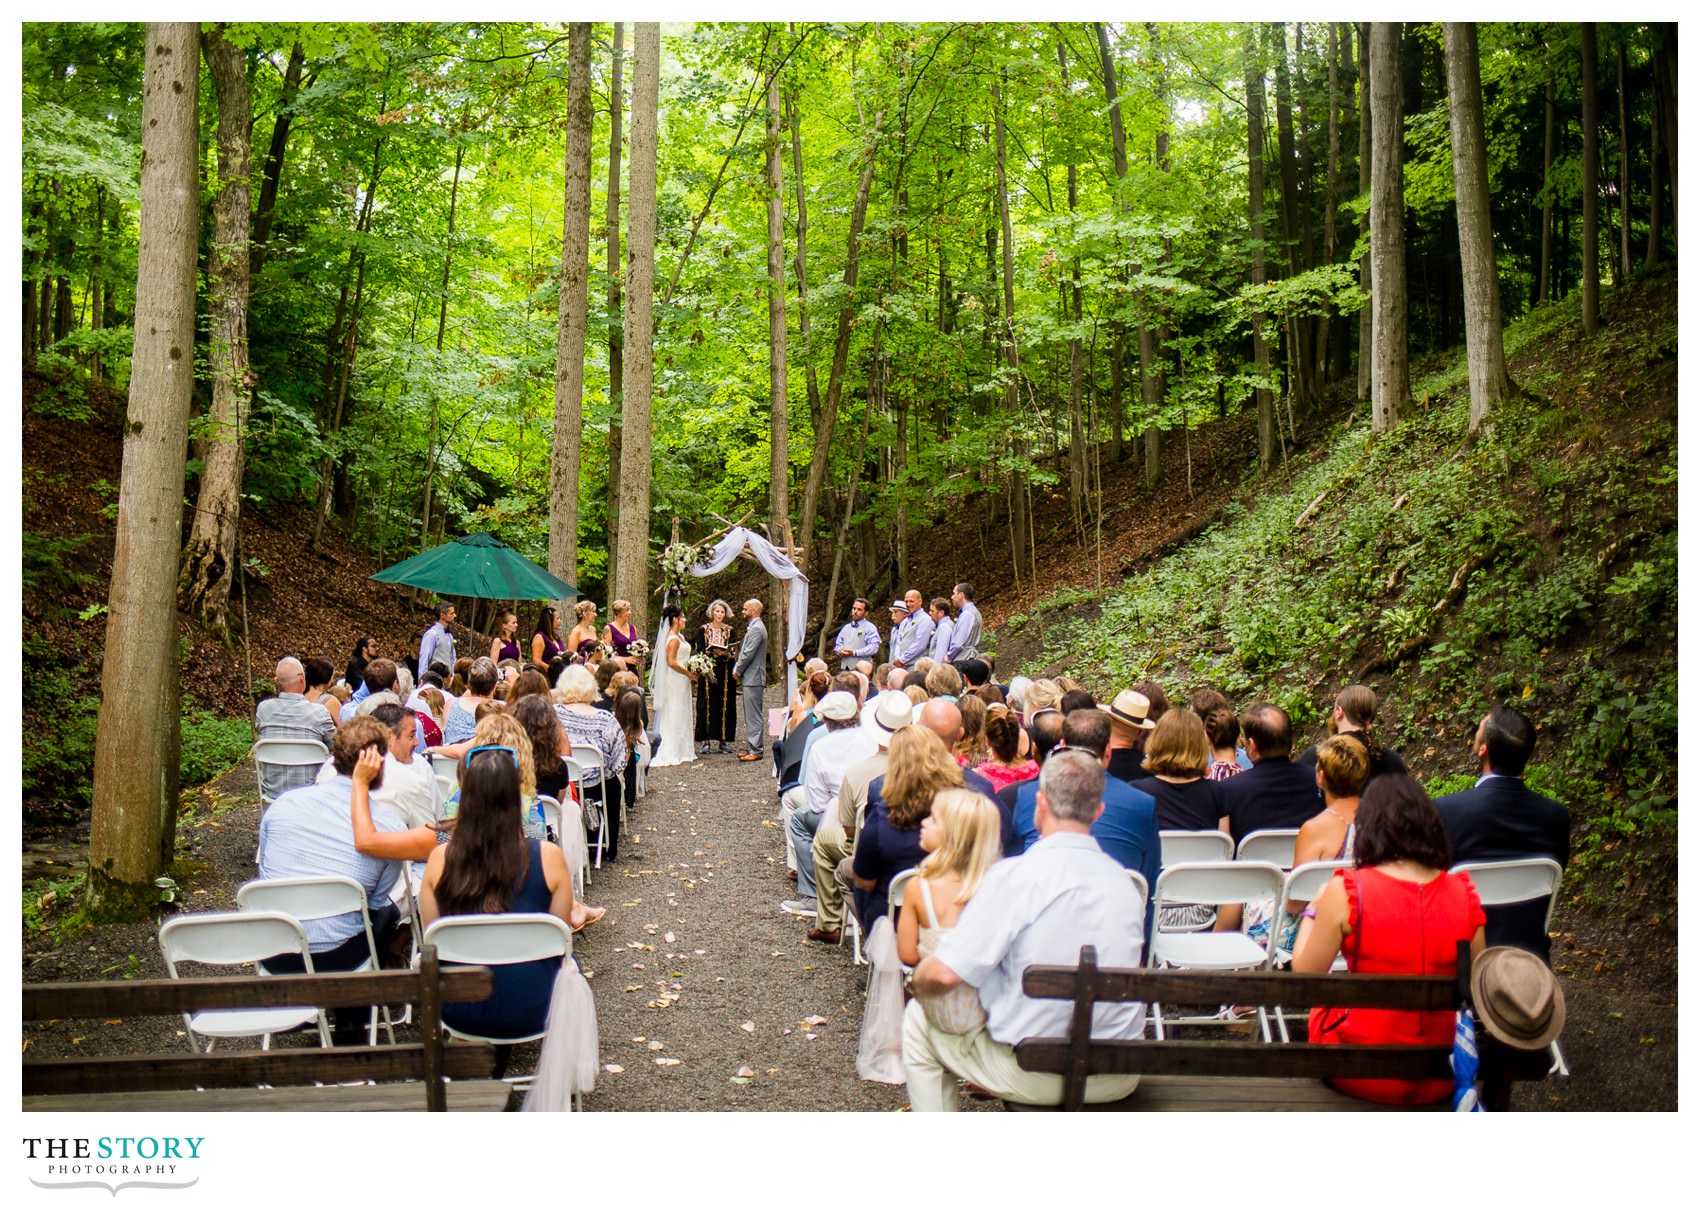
point(1517, 998)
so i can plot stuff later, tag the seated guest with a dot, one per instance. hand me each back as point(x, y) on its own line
point(1177, 754)
point(811, 688)
point(536, 715)
point(319, 675)
point(1400, 911)
point(586, 725)
point(381, 684)
point(630, 714)
point(1342, 768)
point(836, 835)
point(943, 682)
point(1077, 699)
point(410, 789)
point(919, 768)
point(960, 837)
point(489, 867)
point(308, 831)
point(1016, 696)
point(365, 649)
point(463, 711)
point(1131, 722)
point(1155, 697)
point(840, 744)
point(970, 749)
point(1277, 793)
point(975, 673)
point(1043, 696)
point(1500, 818)
point(1047, 730)
point(1040, 908)
point(605, 673)
point(1223, 729)
point(1003, 738)
point(529, 682)
point(289, 716)
point(1354, 716)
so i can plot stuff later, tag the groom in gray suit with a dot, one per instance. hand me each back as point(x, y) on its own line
point(751, 672)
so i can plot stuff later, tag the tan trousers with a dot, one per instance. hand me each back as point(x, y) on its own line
point(830, 850)
point(935, 1059)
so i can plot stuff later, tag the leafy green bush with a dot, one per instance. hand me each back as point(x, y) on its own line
point(211, 745)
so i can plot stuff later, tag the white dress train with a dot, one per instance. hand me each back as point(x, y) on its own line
point(675, 710)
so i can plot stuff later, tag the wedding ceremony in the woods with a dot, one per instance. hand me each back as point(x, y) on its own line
point(822, 566)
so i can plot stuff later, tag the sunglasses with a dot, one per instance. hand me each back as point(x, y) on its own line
point(492, 749)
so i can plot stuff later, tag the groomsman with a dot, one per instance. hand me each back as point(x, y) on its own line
point(942, 630)
point(918, 639)
point(857, 640)
point(965, 632)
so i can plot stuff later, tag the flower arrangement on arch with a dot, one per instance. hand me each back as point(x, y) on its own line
point(675, 562)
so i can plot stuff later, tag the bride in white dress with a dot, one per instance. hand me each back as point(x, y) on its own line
point(674, 702)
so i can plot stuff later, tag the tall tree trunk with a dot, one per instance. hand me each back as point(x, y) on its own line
point(1077, 464)
point(1118, 150)
point(1625, 264)
point(1489, 380)
point(431, 451)
point(1331, 188)
point(841, 542)
point(1655, 190)
point(1012, 359)
point(572, 323)
point(1259, 271)
point(1366, 314)
point(1297, 381)
point(272, 174)
point(1664, 97)
point(777, 379)
point(616, 338)
point(209, 559)
point(818, 460)
point(1590, 180)
point(801, 262)
point(1390, 388)
point(1543, 292)
point(1153, 338)
point(640, 330)
point(133, 835)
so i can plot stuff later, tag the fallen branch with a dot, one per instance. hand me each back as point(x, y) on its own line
point(1310, 511)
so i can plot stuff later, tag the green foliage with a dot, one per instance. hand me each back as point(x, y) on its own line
point(44, 900)
point(211, 745)
point(46, 560)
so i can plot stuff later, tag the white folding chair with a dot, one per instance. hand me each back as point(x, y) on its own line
point(1303, 883)
point(566, 830)
point(894, 900)
point(305, 898)
point(1229, 883)
point(1269, 846)
point(640, 759)
point(595, 792)
point(446, 766)
point(591, 817)
point(1193, 846)
point(499, 939)
point(1509, 881)
point(239, 937)
point(295, 759)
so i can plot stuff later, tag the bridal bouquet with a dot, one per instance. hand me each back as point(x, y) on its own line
point(606, 650)
point(703, 664)
point(638, 649)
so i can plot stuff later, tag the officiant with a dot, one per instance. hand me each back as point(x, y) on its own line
point(717, 703)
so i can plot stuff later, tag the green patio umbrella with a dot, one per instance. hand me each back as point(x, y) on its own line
point(477, 566)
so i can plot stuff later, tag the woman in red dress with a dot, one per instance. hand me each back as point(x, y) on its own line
point(1401, 911)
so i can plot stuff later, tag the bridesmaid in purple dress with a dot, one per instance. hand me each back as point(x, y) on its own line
point(546, 640)
point(620, 633)
point(506, 647)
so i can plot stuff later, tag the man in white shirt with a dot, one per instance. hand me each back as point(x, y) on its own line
point(846, 741)
point(410, 789)
point(1036, 908)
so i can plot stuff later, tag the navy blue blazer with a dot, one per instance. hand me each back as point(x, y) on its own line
point(1274, 795)
point(1500, 818)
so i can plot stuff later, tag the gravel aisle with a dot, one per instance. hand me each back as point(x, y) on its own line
point(693, 916)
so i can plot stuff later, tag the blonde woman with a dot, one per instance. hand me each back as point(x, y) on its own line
point(621, 633)
point(583, 644)
point(1042, 696)
point(809, 692)
point(962, 839)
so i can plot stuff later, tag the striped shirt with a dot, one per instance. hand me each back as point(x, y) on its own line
point(290, 716)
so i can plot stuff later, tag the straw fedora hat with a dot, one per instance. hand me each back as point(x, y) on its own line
point(1517, 998)
point(1132, 708)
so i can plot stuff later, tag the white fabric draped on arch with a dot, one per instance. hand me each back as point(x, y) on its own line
point(727, 549)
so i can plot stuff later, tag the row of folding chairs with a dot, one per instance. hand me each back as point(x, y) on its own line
point(269, 921)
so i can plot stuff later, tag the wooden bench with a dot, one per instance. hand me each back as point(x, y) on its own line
point(1188, 1075)
point(272, 1080)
